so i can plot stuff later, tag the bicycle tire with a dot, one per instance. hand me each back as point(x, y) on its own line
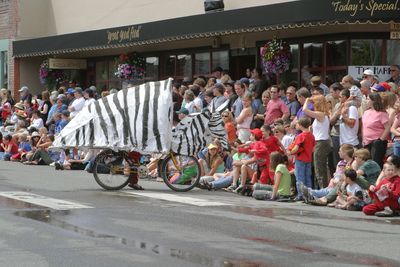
point(169, 172)
point(104, 166)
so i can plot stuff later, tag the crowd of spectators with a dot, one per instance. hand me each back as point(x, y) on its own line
point(336, 145)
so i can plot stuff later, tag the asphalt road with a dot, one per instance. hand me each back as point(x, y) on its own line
point(124, 229)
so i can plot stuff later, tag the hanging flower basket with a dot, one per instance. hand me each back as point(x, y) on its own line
point(130, 67)
point(276, 56)
point(50, 77)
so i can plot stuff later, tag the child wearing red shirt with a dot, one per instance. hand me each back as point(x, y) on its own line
point(302, 148)
point(386, 194)
point(272, 144)
point(10, 148)
point(245, 168)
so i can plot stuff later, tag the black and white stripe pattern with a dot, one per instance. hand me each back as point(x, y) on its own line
point(197, 131)
point(137, 118)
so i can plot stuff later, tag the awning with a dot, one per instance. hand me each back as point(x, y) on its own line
point(293, 14)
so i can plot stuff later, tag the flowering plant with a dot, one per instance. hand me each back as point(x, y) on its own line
point(50, 77)
point(276, 56)
point(130, 67)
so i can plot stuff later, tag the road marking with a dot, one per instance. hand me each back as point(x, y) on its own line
point(175, 198)
point(53, 203)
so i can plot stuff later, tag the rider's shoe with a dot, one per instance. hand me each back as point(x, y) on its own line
point(136, 186)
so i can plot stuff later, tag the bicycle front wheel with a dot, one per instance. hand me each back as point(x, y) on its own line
point(109, 170)
point(180, 173)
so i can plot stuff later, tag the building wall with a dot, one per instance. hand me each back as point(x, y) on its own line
point(54, 17)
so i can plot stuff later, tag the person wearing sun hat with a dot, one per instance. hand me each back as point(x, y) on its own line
point(212, 162)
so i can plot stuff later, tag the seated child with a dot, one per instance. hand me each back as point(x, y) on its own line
point(281, 189)
point(352, 198)
point(386, 194)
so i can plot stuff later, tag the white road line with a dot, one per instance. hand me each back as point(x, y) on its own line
point(53, 203)
point(175, 198)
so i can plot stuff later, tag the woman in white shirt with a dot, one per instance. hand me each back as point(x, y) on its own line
point(320, 128)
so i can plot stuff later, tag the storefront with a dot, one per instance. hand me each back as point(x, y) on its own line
point(325, 37)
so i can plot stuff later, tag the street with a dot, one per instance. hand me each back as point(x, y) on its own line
point(63, 218)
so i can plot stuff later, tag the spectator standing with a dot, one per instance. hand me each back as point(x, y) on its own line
point(78, 103)
point(349, 121)
point(394, 74)
point(316, 82)
point(321, 128)
point(258, 119)
point(244, 119)
point(89, 95)
point(375, 129)
point(237, 106)
point(44, 105)
point(276, 108)
point(292, 102)
point(25, 94)
point(303, 148)
point(229, 126)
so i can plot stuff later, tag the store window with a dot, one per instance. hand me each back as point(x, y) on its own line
point(336, 53)
point(366, 52)
point(114, 82)
point(4, 69)
point(152, 64)
point(202, 63)
point(220, 59)
point(184, 66)
point(169, 67)
point(293, 74)
point(393, 52)
point(101, 75)
point(189, 65)
point(313, 55)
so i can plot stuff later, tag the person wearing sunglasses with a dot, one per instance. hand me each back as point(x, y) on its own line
point(394, 74)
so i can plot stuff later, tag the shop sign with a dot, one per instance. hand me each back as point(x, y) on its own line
point(383, 72)
point(395, 35)
point(394, 26)
point(123, 35)
point(370, 7)
point(67, 64)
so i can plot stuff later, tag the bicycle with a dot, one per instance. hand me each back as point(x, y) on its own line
point(111, 170)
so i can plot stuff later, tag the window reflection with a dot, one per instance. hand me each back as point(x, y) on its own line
point(220, 59)
point(336, 53)
point(202, 63)
point(184, 66)
point(366, 52)
point(312, 55)
point(393, 52)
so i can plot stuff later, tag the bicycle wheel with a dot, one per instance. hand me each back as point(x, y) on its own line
point(182, 175)
point(108, 170)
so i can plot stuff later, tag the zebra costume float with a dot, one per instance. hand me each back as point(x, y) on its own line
point(140, 119)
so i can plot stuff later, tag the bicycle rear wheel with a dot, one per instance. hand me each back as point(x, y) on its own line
point(180, 173)
point(108, 170)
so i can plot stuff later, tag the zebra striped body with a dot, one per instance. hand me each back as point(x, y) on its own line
point(140, 119)
point(195, 132)
point(137, 118)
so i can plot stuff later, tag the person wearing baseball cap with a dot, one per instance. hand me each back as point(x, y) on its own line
point(377, 88)
point(24, 94)
point(182, 113)
point(78, 103)
point(257, 133)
